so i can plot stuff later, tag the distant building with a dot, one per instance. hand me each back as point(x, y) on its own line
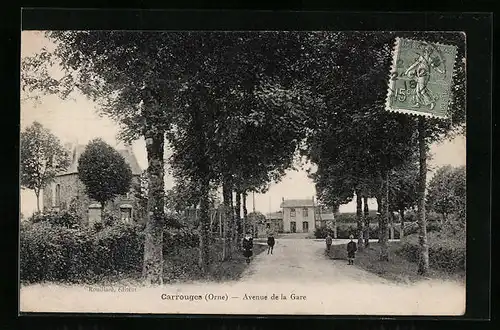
point(68, 191)
point(299, 216)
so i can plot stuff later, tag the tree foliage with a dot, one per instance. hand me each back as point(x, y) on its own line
point(403, 186)
point(41, 157)
point(447, 192)
point(103, 171)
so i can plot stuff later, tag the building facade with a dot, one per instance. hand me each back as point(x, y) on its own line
point(299, 216)
point(68, 191)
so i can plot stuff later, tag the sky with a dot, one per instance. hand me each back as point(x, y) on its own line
point(77, 120)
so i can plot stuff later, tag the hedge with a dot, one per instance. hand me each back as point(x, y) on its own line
point(344, 230)
point(50, 252)
point(446, 252)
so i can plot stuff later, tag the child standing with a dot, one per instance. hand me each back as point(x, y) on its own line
point(328, 241)
point(270, 243)
point(351, 250)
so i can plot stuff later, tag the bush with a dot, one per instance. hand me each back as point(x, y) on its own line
point(119, 248)
point(344, 230)
point(446, 252)
point(412, 227)
point(321, 232)
point(55, 253)
point(64, 218)
point(183, 237)
point(109, 218)
point(51, 252)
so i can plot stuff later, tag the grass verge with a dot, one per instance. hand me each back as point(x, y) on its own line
point(397, 269)
point(181, 265)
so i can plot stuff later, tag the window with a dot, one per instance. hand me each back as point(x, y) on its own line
point(58, 195)
point(305, 212)
point(292, 212)
point(126, 213)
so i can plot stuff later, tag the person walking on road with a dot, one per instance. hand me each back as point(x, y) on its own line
point(328, 241)
point(351, 250)
point(270, 243)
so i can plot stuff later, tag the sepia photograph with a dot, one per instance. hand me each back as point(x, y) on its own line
point(243, 172)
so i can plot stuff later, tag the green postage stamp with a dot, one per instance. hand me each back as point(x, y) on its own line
point(420, 78)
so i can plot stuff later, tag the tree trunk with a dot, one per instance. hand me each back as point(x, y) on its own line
point(384, 220)
point(359, 220)
point(402, 220)
point(226, 201)
point(366, 212)
point(204, 256)
point(391, 226)
point(37, 193)
point(153, 245)
point(233, 223)
point(239, 228)
point(379, 214)
point(423, 262)
point(245, 213)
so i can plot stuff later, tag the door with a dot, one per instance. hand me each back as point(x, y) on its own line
point(293, 226)
point(305, 227)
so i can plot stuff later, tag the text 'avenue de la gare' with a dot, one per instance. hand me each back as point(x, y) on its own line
point(226, 297)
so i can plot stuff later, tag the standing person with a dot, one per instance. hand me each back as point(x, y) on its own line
point(270, 243)
point(247, 247)
point(351, 250)
point(328, 241)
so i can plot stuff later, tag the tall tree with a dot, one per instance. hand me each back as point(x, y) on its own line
point(131, 77)
point(447, 191)
point(376, 140)
point(403, 185)
point(104, 172)
point(42, 157)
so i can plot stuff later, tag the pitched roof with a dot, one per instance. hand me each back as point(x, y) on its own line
point(76, 151)
point(297, 202)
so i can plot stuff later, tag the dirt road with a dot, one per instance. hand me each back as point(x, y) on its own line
point(302, 260)
point(296, 279)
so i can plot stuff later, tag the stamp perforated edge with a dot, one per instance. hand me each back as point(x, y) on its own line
point(390, 86)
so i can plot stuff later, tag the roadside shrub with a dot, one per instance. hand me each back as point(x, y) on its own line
point(55, 253)
point(412, 227)
point(109, 218)
point(64, 218)
point(446, 252)
point(50, 253)
point(344, 230)
point(183, 237)
point(321, 232)
point(119, 248)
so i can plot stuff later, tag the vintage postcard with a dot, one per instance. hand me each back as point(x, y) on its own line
point(258, 173)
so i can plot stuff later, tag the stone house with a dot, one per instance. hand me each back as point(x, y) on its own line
point(299, 215)
point(66, 190)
